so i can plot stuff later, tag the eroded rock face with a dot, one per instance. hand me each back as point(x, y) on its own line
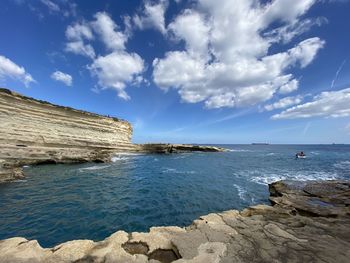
point(34, 132)
point(288, 231)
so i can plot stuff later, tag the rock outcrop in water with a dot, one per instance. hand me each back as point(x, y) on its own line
point(34, 132)
point(308, 222)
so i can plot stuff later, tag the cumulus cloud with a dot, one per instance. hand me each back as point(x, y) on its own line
point(114, 69)
point(108, 31)
point(62, 77)
point(327, 104)
point(152, 16)
point(227, 61)
point(284, 103)
point(9, 69)
point(77, 34)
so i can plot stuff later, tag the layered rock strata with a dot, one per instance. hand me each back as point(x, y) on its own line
point(308, 222)
point(34, 132)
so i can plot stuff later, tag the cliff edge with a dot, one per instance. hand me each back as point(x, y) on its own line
point(34, 132)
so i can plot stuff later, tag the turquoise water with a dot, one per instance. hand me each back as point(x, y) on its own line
point(57, 203)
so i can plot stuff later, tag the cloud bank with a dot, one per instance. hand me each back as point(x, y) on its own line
point(227, 61)
point(327, 104)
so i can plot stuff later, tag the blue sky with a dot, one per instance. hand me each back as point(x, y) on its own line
point(196, 71)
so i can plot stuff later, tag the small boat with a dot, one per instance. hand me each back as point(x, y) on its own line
point(300, 155)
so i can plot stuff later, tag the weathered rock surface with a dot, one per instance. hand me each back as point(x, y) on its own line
point(177, 148)
point(33, 132)
point(289, 231)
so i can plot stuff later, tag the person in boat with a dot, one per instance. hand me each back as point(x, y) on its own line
point(300, 154)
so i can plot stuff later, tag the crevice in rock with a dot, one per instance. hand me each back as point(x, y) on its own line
point(46, 162)
point(136, 248)
point(98, 161)
point(23, 242)
point(89, 259)
point(55, 249)
point(165, 255)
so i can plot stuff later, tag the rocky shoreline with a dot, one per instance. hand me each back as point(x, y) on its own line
point(37, 132)
point(307, 222)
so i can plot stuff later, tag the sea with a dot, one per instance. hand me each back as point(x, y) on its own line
point(57, 203)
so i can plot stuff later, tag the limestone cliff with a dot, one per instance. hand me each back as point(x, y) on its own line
point(33, 131)
point(308, 222)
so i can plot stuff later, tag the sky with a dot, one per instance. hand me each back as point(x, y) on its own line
point(188, 71)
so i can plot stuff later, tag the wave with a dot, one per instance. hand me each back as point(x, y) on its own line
point(241, 192)
point(115, 159)
point(344, 165)
point(95, 167)
point(175, 171)
point(19, 181)
point(266, 179)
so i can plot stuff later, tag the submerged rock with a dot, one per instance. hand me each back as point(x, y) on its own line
point(307, 222)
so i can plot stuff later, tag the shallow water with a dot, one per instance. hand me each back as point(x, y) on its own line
point(57, 203)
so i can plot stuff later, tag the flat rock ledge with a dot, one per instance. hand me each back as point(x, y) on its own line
point(307, 222)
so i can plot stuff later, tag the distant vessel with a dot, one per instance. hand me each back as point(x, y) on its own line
point(260, 143)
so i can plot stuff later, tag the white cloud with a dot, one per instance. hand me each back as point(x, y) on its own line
point(116, 69)
point(79, 48)
point(284, 103)
point(9, 69)
point(77, 34)
point(66, 8)
point(62, 77)
point(79, 31)
point(108, 30)
point(192, 27)
point(226, 61)
point(152, 16)
point(327, 104)
point(51, 5)
point(286, 33)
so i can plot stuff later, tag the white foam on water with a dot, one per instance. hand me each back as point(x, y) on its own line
point(344, 165)
point(267, 178)
point(175, 171)
point(95, 167)
point(128, 154)
point(270, 154)
point(241, 192)
point(125, 156)
point(19, 181)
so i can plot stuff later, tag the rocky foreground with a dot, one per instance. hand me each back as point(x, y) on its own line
point(307, 222)
point(36, 132)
